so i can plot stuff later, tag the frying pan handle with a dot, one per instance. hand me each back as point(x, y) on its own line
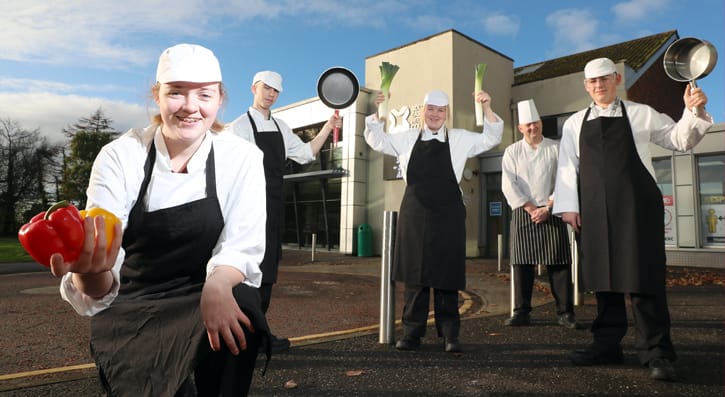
point(693, 85)
point(335, 134)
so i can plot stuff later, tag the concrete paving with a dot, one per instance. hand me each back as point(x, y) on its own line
point(330, 309)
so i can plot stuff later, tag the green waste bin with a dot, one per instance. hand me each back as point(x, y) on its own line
point(364, 240)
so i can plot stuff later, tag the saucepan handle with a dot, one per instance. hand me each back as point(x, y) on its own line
point(693, 85)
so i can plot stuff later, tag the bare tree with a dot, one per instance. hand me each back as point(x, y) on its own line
point(28, 167)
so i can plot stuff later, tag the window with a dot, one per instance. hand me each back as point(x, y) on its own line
point(552, 125)
point(711, 176)
point(312, 198)
point(663, 172)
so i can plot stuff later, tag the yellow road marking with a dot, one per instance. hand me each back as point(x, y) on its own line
point(467, 303)
point(46, 371)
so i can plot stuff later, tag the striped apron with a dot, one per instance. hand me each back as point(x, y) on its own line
point(546, 243)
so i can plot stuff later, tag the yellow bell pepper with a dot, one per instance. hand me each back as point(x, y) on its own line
point(109, 218)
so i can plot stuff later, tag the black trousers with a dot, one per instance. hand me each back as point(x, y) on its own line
point(223, 374)
point(559, 280)
point(415, 311)
point(265, 293)
point(651, 324)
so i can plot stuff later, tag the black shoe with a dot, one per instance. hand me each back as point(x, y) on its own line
point(661, 369)
point(453, 346)
point(518, 319)
point(568, 320)
point(408, 343)
point(279, 345)
point(590, 356)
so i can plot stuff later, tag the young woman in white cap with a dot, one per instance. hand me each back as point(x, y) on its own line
point(430, 242)
point(607, 191)
point(174, 305)
point(278, 143)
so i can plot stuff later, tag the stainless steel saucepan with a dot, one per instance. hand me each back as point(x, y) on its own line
point(689, 59)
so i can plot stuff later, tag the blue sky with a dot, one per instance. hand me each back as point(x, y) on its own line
point(62, 60)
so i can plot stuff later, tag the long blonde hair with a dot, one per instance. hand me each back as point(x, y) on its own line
point(216, 127)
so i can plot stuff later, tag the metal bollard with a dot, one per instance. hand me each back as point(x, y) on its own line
point(500, 250)
point(314, 246)
point(513, 290)
point(575, 268)
point(387, 285)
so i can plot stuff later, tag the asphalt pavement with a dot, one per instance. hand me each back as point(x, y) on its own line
point(330, 309)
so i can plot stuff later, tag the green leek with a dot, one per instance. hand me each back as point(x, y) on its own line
point(480, 70)
point(387, 72)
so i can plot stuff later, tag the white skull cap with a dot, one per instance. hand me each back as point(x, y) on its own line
point(272, 79)
point(436, 98)
point(188, 62)
point(599, 67)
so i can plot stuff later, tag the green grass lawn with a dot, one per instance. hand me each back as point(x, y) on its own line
point(12, 251)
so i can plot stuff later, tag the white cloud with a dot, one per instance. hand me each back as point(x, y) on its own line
point(112, 34)
point(11, 84)
point(50, 113)
point(500, 24)
point(108, 36)
point(76, 31)
point(574, 30)
point(636, 10)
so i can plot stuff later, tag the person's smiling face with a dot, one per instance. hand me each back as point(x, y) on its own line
point(188, 110)
point(435, 116)
point(532, 132)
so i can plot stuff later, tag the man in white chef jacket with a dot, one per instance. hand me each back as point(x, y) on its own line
point(607, 192)
point(528, 173)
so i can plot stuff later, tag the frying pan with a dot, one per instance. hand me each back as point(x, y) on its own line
point(689, 59)
point(337, 88)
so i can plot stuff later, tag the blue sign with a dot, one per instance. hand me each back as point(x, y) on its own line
point(494, 208)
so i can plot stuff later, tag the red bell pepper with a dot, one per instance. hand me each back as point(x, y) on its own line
point(58, 230)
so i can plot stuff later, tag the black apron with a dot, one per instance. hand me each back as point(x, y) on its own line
point(430, 243)
point(272, 145)
point(622, 223)
point(148, 341)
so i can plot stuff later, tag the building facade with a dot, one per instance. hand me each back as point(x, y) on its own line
point(350, 185)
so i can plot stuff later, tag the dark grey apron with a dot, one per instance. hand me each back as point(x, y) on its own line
point(272, 145)
point(148, 341)
point(430, 243)
point(622, 232)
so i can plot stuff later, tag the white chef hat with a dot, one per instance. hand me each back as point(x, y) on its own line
point(527, 112)
point(599, 67)
point(272, 79)
point(436, 98)
point(188, 62)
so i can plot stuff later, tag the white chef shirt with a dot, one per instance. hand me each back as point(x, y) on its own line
point(648, 125)
point(116, 178)
point(295, 148)
point(463, 143)
point(528, 173)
